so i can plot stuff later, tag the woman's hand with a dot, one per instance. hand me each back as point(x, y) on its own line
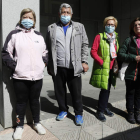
point(137, 58)
point(85, 67)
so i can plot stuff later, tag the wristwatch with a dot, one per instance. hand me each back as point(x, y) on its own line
point(85, 62)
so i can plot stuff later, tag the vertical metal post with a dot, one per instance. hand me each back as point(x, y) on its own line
point(1, 84)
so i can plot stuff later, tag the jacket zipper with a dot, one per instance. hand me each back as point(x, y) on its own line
point(136, 65)
point(65, 51)
point(33, 79)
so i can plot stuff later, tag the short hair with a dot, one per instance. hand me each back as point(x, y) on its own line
point(110, 18)
point(131, 27)
point(66, 6)
point(27, 10)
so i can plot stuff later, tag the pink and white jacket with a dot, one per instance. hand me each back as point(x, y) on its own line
point(25, 52)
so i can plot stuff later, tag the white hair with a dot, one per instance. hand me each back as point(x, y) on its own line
point(66, 6)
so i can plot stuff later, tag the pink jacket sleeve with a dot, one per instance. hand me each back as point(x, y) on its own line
point(94, 50)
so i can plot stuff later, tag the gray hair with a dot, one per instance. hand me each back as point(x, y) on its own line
point(66, 6)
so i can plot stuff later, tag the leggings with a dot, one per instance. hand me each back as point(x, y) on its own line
point(27, 90)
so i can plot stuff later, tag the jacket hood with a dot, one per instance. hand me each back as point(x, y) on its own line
point(18, 27)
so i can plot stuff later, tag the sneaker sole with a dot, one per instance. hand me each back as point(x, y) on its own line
point(19, 138)
point(62, 118)
point(16, 139)
point(38, 132)
point(78, 124)
point(109, 115)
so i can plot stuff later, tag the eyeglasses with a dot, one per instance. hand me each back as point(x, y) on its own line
point(112, 25)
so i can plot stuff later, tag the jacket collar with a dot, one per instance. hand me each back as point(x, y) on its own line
point(24, 30)
point(134, 38)
point(75, 27)
point(60, 24)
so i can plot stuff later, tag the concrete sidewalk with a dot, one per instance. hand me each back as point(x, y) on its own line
point(115, 128)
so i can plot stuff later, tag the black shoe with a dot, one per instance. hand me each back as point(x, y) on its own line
point(137, 116)
point(131, 118)
point(100, 116)
point(108, 112)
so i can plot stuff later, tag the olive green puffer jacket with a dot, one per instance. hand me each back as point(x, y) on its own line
point(127, 53)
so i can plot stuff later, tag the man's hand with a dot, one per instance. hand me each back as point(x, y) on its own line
point(85, 67)
point(138, 58)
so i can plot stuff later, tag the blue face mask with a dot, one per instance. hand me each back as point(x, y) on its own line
point(65, 19)
point(109, 29)
point(27, 23)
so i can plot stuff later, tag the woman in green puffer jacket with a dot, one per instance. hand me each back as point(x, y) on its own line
point(129, 53)
point(104, 51)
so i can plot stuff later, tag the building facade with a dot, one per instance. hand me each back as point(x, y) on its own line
point(90, 12)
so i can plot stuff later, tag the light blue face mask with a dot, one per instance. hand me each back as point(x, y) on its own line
point(65, 19)
point(109, 29)
point(27, 23)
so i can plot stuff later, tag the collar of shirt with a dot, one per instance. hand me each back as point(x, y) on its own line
point(60, 24)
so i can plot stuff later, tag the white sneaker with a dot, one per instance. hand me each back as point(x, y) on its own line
point(40, 129)
point(18, 133)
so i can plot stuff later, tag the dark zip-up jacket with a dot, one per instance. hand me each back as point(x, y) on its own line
point(127, 53)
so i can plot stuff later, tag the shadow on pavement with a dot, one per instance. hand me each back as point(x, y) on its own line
point(47, 106)
point(88, 102)
point(131, 134)
point(93, 103)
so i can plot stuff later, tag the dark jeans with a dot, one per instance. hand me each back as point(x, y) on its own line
point(133, 94)
point(104, 96)
point(27, 90)
point(74, 84)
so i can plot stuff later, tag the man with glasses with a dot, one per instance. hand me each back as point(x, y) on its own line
point(67, 43)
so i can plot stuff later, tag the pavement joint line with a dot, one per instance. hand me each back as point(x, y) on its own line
point(88, 133)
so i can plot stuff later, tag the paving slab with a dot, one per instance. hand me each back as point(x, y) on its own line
point(59, 128)
point(28, 134)
point(100, 131)
point(1, 128)
point(7, 136)
point(115, 128)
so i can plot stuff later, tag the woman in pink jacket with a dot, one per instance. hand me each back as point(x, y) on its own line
point(26, 54)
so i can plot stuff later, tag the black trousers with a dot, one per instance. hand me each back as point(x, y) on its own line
point(74, 84)
point(27, 90)
point(133, 94)
point(104, 96)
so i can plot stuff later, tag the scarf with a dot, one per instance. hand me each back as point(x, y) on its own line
point(112, 42)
